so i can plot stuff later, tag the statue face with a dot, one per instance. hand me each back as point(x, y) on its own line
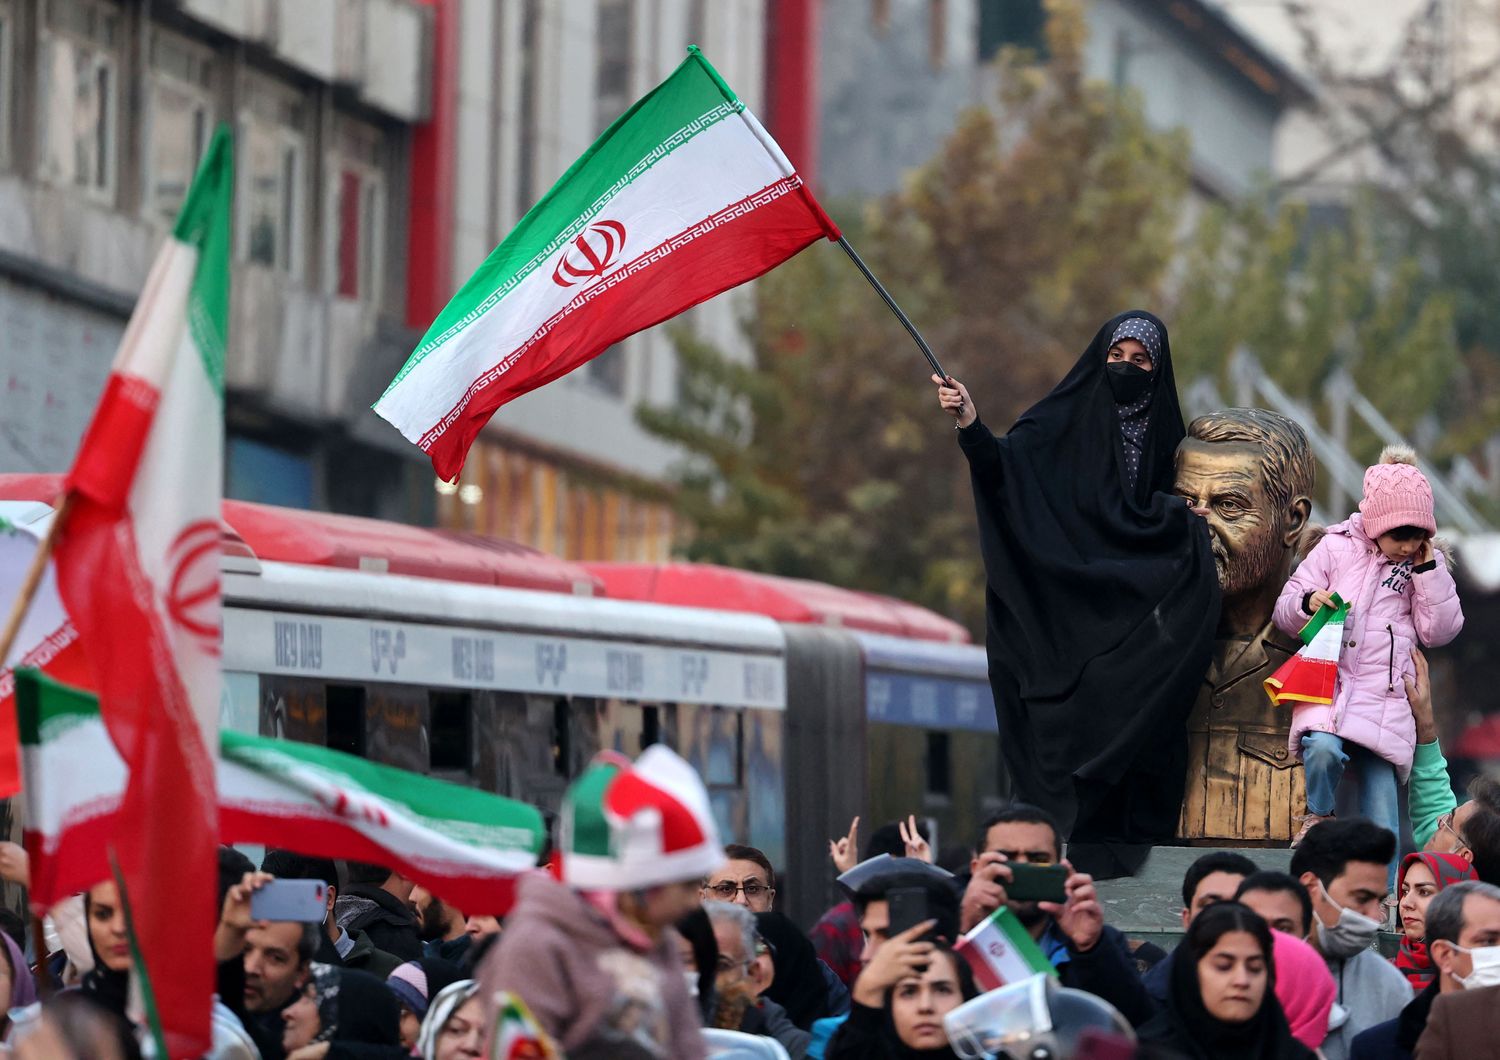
point(1224, 482)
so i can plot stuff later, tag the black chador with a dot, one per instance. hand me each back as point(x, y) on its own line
point(1101, 597)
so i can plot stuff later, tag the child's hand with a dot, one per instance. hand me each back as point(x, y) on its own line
point(1320, 598)
point(1424, 554)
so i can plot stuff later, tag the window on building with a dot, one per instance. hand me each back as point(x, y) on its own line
point(7, 75)
point(77, 89)
point(613, 40)
point(449, 731)
point(1018, 23)
point(180, 112)
point(357, 212)
point(526, 135)
point(937, 33)
point(607, 371)
point(272, 162)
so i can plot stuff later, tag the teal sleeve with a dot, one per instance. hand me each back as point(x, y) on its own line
point(1430, 792)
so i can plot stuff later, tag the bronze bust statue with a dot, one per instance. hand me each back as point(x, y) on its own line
point(1249, 472)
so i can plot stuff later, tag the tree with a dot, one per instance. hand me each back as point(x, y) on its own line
point(827, 456)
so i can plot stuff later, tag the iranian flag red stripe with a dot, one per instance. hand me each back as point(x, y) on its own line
point(685, 196)
point(137, 569)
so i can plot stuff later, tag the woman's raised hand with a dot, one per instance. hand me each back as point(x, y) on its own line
point(954, 399)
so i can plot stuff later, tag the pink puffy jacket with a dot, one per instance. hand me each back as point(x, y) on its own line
point(1392, 609)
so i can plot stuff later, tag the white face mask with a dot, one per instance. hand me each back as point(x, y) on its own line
point(1354, 932)
point(691, 979)
point(1486, 967)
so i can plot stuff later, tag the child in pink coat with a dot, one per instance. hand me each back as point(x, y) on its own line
point(1382, 563)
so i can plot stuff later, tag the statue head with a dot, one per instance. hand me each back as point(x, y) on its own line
point(1249, 472)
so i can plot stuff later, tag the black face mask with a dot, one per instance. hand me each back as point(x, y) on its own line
point(1127, 382)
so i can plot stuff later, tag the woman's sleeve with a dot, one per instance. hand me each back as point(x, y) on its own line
point(982, 448)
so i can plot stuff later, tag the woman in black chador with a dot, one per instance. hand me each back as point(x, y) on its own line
point(1101, 597)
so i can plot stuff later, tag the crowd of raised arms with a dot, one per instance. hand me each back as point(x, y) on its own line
point(659, 942)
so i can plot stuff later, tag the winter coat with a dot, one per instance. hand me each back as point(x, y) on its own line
point(1394, 607)
point(385, 918)
point(594, 991)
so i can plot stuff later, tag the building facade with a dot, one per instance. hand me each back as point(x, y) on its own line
point(383, 148)
point(887, 80)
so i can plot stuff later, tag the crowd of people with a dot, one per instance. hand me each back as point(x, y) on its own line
point(644, 937)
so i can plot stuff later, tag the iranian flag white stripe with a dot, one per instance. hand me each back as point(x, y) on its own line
point(137, 569)
point(465, 845)
point(1000, 951)
point(1311, 676)
point(47, 639)
point(683, 197)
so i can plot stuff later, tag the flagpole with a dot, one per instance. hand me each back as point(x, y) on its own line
point(893, 307)
point(33, 579)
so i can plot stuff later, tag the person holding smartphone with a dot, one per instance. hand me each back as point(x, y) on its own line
point(900, 1001)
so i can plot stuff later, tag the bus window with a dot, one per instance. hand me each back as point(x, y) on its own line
point(562, 739)
point(449, 731)
point(650, 726)
point(939, 765)
point(346, 718)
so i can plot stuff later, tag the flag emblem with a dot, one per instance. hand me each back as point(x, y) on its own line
point(596, 250)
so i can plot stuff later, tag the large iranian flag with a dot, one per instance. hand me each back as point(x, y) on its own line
point(47, 639)
point(137, 565)
point(465, 845)
point(684, 196)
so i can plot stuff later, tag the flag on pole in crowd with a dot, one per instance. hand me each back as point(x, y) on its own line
point(1311, 674)
point(47, 639)
point(517, 1034)
point(683, 197)
point(137, 564)
point(461, 843)
point(75, 780)
point(1000, 950)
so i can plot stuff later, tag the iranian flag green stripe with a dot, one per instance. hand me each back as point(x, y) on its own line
point(685, 196)
point(462, 844)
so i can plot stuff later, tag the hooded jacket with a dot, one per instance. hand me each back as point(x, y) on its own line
point(588, 986)
point(382, 916)
point(1394, 607)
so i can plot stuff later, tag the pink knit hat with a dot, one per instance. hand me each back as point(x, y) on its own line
point(1396, 494)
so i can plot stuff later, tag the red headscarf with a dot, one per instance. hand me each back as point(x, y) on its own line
point(1413, 961)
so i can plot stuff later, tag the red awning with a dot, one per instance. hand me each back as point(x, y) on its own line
point(323, 539)
point(784, 599)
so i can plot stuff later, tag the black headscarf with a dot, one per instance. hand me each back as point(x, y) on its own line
point(799, 986)
point(354, 1006)
point(1187, 1028)
point(109, 988)
point(1101, 599)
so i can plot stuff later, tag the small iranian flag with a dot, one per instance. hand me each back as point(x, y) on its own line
point(683, 197)
point(137, 561)
point(465, 845)
point(1311, 675)
point(47, 639)
point(75, 780)
point(1001, 951)
point(517, 1035)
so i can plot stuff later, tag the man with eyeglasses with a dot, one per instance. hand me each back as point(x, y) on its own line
point(745, 971)
point(746, 879)
point(1438, 823)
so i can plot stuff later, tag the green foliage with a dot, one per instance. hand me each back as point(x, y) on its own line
point(827, 457)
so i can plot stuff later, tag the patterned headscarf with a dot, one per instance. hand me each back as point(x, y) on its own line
point(325, 986)
point(1135, 417)
point(1413, 961)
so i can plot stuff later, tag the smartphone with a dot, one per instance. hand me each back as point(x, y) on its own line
point(908, 907)
point(304, 900)
point(1036, 883)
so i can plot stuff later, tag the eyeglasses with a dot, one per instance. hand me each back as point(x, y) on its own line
point(1446, 821)
point(727, 889)
point(727, 964)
